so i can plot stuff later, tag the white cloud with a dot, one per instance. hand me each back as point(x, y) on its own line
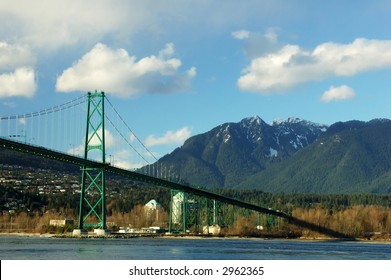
point(22, 121)
point(119, 74)
point(271, 35)
point(258, 44)
point(121, 159)
point(170, 137)
point(15, 56)
point(53, 24)
point(292, 65)
point(191, 73)
point(241, 34)
point(9, 104)
point(167, 52)
point(17, 76)
point(110, 141)
point(21, 82)
point(338, 93)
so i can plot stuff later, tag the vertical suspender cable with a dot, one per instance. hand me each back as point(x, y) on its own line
point(16, 135)
point(61, 131)
point(9, 134)
point(52, 130)
point(32, 136)
point(39, 128)
point(24, 128)
point(67, 121)
point(45, 129)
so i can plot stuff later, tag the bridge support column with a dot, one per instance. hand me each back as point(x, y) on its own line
point(184, 213)
point(211, 216)
point(92, 212)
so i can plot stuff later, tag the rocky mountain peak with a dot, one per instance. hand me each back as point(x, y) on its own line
point(295, 120)
point(252, 121)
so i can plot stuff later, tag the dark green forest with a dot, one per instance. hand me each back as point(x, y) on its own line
point(124, 198)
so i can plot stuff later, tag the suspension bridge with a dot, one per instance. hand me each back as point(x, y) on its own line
point(86, 132)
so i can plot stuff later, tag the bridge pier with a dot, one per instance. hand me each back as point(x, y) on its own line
point(101, 232)
point(97, 232)
point(79, 232)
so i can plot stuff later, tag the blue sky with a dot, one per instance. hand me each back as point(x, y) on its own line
point(178, 68)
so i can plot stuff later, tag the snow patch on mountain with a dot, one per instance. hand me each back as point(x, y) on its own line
point(294, 120)
point(273, 153)
point(281, 137)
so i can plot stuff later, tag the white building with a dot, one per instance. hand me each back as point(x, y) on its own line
point(61, 223)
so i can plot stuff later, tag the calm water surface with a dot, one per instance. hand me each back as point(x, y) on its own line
point(19, 248)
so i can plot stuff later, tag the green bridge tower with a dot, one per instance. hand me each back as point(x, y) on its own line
point(92, 212)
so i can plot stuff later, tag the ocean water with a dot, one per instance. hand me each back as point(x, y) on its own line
point(48, 248)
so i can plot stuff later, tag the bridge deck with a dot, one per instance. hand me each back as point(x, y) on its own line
point(55, 155)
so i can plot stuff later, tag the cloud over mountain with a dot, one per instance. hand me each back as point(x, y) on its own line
point(170, 137)
point(338, 93)
point(293, 65)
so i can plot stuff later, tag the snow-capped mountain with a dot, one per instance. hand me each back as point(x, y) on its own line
point(227, 154)
point(298, 132)
point(350, 157)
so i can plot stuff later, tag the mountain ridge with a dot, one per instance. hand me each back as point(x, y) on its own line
point(230, 152)
point(350, 157)
point(290, 156)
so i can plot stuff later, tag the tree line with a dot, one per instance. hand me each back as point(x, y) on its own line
point(359, 215)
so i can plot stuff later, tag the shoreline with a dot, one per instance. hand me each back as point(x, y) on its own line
point(27, 234)
point(195, 237)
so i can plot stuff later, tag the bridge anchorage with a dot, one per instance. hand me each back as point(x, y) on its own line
point(192, 209)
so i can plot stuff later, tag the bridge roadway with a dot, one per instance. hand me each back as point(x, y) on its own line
point(60, 156)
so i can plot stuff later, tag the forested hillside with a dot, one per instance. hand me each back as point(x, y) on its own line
point(351, 157)
point(293, 156)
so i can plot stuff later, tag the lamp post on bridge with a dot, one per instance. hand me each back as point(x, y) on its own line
point(111, 160)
